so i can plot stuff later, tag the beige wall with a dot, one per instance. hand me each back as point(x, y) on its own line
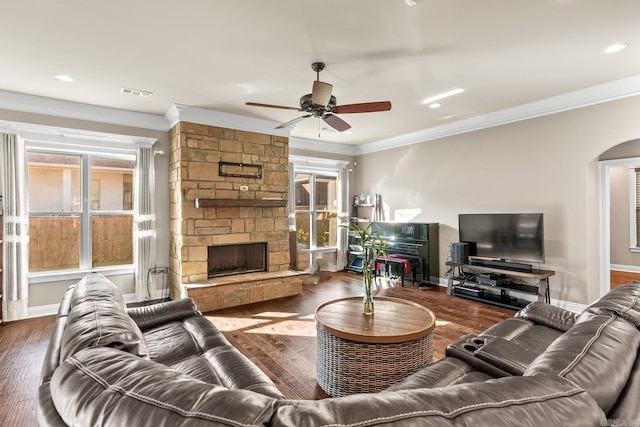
point(548, 164)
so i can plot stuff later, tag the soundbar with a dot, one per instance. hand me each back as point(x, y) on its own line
point(503, 265)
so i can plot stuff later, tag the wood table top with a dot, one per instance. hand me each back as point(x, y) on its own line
point(395, 320)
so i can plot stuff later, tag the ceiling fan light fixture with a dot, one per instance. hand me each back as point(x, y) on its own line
point(442, 95)
point(320, 103)
point(617, 47)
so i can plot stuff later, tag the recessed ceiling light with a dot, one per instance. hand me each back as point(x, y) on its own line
point(435, 105)
point(64, 78)
point(443, 95)
point(615, 48)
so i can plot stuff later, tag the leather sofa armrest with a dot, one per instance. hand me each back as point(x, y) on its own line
point(549, 400)
point(46, 412)
point(506, 355)
point(150, 316)
point(548, 315)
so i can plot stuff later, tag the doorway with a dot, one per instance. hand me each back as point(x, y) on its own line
point(615, 204)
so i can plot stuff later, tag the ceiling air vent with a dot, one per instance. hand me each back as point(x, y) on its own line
point(136, 92)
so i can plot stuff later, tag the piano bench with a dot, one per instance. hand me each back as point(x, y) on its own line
point(407, 263)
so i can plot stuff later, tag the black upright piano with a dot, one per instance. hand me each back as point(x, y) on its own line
point(416, 239)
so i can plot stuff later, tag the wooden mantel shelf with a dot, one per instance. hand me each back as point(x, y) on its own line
point(216, 203)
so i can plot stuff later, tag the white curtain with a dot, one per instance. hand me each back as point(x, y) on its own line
point(145, 225)
point(15, 253)
point(344, 208)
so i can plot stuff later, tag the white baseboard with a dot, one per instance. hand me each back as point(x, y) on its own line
point(568, 305)
point(42, 310)
point(629, 268)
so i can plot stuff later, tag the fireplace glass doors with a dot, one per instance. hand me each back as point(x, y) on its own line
point(227, 260)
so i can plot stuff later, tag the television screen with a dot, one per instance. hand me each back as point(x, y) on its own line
point(515, 237)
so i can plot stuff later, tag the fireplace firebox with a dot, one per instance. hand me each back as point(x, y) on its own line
point(239, 258)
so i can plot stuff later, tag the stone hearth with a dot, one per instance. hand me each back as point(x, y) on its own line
point(209, 206)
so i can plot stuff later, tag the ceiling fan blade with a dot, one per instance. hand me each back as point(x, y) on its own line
point(293, 122)
point(365, 107)
point(321, 93)
point(336, 122)
point(256, 104)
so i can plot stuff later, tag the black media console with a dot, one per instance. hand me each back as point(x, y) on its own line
point(493, 283)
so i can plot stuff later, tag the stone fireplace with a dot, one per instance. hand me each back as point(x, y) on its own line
point(229, 189)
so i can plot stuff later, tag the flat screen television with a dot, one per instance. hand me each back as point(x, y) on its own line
point(507, 236)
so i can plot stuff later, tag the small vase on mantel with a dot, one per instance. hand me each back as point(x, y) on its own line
point(373, 246)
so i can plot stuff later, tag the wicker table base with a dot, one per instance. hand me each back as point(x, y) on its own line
point(347, 367)
point(360, 353)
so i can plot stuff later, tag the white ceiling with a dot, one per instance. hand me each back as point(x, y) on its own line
point(216, 54)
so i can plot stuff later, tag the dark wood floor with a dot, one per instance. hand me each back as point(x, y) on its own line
point(22, 348)
point(618, 277)
point(280, 335)
point(277, 335)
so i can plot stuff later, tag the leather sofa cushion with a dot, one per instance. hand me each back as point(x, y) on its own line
point(105, 386)
point(548, 315)
point(96, 287)
point(444, 372)
point(150, 316)
point(597, 355)
point(623, 300)
point(626, 407)
point(101, 324)
point(194, 346)
point(510, 401)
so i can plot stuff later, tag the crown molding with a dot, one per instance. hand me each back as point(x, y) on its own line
point(75, 110)
point(605, 92)
point(184, 113)
point(322, 146)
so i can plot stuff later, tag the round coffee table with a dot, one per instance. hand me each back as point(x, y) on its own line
point(360, 353)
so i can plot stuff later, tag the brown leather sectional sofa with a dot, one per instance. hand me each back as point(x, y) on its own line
point(167, 365)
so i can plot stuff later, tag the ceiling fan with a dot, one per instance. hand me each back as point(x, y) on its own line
point(322, 104)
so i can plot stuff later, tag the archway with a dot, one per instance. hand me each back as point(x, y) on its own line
point(612, 166)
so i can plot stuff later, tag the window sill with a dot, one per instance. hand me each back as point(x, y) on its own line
point(322, 249)
point(59, 276)
point(634, 249)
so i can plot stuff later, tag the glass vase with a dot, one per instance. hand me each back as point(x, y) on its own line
point(367, 301)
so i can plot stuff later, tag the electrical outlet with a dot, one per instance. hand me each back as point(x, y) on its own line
point(244, 188)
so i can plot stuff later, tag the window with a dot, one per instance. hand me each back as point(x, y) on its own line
point(316, 209)
point(80, 210)
point(634, 204)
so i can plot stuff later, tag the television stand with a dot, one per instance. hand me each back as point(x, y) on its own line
point(494, 285)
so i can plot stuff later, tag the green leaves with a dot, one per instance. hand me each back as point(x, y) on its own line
point(373, 246)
